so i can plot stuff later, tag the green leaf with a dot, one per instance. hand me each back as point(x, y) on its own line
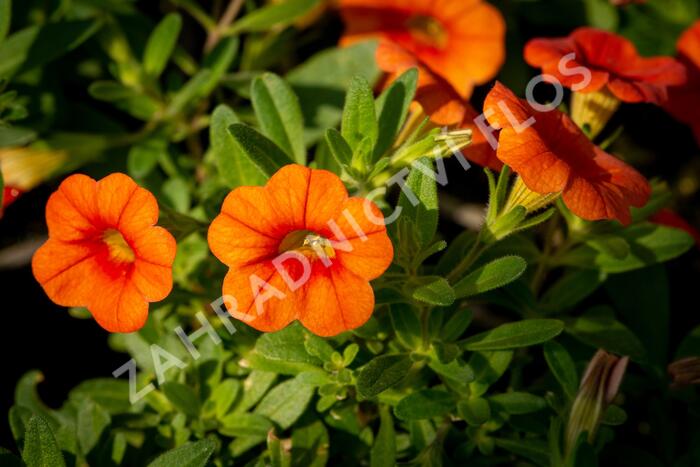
point(40, 446)
point(422, 207)
point(382, 373)
point(5, 18)
point(434, 290)
point(245, 424)
point(224, 395)
point(161, 44)
point(359, 120)
point(534, 450)
point(339, 148)
point(571, 289)
point(425, 404)
point(124, 98)
point(321, 83)
point(649, 244)
point(190, 93)
point(455, 326)
point(646, 310)
point(383, 453)
point(614, 416)
point(254, 388)
point(391, 109)
point(278, 15)
point(598, 327)
point(285, 403)
point(514, 335)
point(190, 455)
point(288, 345)
point(36, 46)
point(262, 152)
point(234, 167)
point(610, 245)
point(182, 397)
point(562, 367)
point(143, 157)
point(26, 395)
point(406, 324)
point(518, 403)
point(493, 275)
point(475, 411)
point(279, 115)
point(310, 445)
point(92, 421)
point(109, 393)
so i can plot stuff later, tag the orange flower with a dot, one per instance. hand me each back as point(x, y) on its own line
point(299, 248)
point(460, 40)
point(613, 62)
point(104, 252)
point(684, 101)
point(552, 155)
point(439, 100)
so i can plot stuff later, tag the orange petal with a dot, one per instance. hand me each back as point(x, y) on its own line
point(140, 212)
point(370, 251)
point(533, 152)
point(305, 198)
point(71, 210)
point(66, 271)
point(263, 300)
point(119, 305)
point(113, 194)
point(437, 98)
point(606, 190)
point(155, 250)
point(335, 300)
point(237, 244)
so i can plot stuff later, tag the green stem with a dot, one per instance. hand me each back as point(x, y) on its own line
point(468, 260)
point(425, 328)
point(543, 263)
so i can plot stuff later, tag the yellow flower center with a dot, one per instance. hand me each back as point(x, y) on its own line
point(428, 30)
point(307, 243)
point(119, 250)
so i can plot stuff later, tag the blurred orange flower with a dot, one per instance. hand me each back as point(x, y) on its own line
point(439, 100)
point(104, 251)
point(552, 155)
point(613, 62)
point(684, 101)
point(462, 41)
point(299, 248)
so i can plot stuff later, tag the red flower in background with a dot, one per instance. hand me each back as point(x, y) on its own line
point(552, 155)
point(671, 219)
point(613, 62)
point(462, 41)
point(684, 101)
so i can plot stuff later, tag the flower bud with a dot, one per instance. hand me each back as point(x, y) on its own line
point(599, 387)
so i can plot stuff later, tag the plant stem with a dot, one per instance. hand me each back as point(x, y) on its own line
point(425, 328)
point(468, 260)
point(232, 10)
point(543, 263)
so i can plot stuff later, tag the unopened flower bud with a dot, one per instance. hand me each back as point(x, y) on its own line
point(599, 386)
